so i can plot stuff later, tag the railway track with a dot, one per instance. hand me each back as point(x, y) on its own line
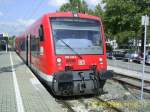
point(109, 105)
point(93, 104)
point(109, 102)
point(132, 81)
point(67, 105)
point(104, 103)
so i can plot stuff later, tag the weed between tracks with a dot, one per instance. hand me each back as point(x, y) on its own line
point(118, 99)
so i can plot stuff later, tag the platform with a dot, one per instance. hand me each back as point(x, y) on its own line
point(130, 73)
point(20, 90)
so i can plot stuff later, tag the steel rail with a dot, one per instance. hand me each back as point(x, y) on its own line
point(67, 105)
point(108, 104)
point(136, 83)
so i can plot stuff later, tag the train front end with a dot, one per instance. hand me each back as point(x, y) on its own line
point(80, 56)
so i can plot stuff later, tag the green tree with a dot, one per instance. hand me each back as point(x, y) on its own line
point(123, 18)
point(65, 7)
point(98, 11)
point(75, 6)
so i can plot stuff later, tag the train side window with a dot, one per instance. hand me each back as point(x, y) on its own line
point(41, 33)
point(34, 46)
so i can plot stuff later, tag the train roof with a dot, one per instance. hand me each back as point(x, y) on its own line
point(71, 14)
point(61, 14)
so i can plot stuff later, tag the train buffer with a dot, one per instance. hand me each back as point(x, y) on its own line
point(20, 90)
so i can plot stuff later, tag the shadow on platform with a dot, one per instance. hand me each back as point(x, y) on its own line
point(9, 68)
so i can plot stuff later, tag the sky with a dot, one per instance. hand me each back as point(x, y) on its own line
point(16, 15)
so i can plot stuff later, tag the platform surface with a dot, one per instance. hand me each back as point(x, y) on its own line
point(131, 73)
point(20, 90)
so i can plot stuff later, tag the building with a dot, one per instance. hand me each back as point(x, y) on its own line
point(112, 43)
point(3, 41)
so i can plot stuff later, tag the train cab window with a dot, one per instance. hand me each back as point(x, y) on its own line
point(41, 33)
point(82, 35)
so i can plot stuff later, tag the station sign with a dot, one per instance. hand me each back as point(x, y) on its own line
point(145, 20)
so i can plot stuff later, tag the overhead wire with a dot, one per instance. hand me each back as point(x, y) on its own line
point(36, 9)
point(28, 9)
point(29, 16)
point(6, 16)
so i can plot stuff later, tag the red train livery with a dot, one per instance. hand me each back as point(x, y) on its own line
point(67, 51)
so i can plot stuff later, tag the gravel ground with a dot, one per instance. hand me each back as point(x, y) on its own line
point(126, 98)
point(121, 97)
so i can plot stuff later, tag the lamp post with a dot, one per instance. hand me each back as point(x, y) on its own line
point(145, 22)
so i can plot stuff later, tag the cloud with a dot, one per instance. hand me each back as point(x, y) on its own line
point(7, 1)
point(10, 27)
point(25, 22)
point(93, 3)
point(15, 28)
point(56, 3)
point(1, 14)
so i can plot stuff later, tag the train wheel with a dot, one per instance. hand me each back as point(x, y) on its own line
point(101, 90)
point(102, 83)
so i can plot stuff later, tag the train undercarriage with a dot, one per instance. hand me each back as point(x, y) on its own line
point(68, 83)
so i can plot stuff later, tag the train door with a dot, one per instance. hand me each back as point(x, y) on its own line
point(28, 50)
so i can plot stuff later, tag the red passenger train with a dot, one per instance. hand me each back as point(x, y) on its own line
point(67, 51)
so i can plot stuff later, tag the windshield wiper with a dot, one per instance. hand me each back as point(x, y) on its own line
point(72, 49)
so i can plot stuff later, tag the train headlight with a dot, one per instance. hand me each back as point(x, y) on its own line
point(59, 60)
point(41, 50)
point(101, 60)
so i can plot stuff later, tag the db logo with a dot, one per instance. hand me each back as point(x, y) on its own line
point(81, 62)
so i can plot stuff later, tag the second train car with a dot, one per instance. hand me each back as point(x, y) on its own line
point(67, 51)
